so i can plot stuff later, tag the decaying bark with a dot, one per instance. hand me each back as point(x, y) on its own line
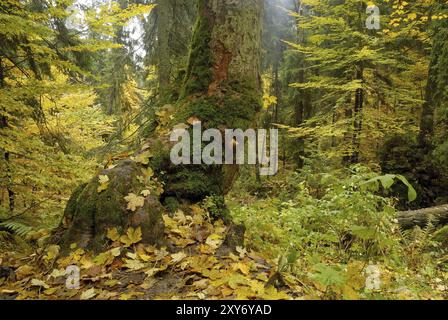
point(222, 88)
point(437, 215)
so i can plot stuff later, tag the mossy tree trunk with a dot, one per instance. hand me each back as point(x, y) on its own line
point(222, 88)
point(163, 42)
point(222, 85)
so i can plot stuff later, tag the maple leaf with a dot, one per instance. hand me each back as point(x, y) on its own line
point(134, 202)
point(116, 252)
point(57, 273)
point(143, 158)
point(145, 193)
point(148, 173)
point(178, 257)
point(214, 241)
point(134, 265)
point(113, 234)
point(241, 267)
point(132, 236)
point(104, 183)
point(104, 259)
point(241, 251)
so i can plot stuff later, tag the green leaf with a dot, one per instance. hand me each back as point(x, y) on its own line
point(412, 194)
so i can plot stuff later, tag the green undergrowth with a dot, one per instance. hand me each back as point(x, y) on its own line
point(338, 237)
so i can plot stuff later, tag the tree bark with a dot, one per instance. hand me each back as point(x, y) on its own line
point(222, 88)
point(6, 154)
point(435, 87)
point(437, 215)
point(358, 117)
point(163, 43)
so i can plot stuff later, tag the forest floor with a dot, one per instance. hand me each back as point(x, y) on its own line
point(292, 252)
point(192, 268)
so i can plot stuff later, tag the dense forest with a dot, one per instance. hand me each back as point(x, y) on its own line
point(337, 188)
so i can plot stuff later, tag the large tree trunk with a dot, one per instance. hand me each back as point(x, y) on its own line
point(222, 89)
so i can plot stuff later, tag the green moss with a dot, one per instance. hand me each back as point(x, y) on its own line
point(70, 209)
point(171, 204)
point(235, 110)
point(95, 213)
point(195, 182)
point(200, 64)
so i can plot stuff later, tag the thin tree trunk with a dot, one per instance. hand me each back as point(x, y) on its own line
point(358, 118)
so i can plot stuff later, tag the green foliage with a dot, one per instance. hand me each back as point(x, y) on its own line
point(329, 225)
point(16, 227)
point(325, 211)
point(388, 180)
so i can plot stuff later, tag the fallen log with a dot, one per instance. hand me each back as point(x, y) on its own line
point(410, 219)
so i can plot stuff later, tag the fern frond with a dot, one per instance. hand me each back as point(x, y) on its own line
point(17, 228)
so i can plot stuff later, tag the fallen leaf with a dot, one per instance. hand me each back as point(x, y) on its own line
point(104, 183)
point(134, 202)
point(113, 234)
point(39, 283)
point(24, 271)
point(88, 294)
point(178, 257)
point(132, 236)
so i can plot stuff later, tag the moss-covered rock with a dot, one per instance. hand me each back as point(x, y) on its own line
point(91, 213)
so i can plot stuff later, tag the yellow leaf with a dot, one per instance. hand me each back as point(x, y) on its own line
point(241, 251)
point(88, 294)
point(134, 201)
point(134, 265)
point(132, 236)
point(143, 157)
point(39, 283)
point(24, 271)
point(104, 183)
point(113, 235)
point(214, 241)
point(148, 173)
point(52, 252)
point(178, 257)
point(57, 273)
point(412, 16)
point(241, 267)
point(116, 252)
